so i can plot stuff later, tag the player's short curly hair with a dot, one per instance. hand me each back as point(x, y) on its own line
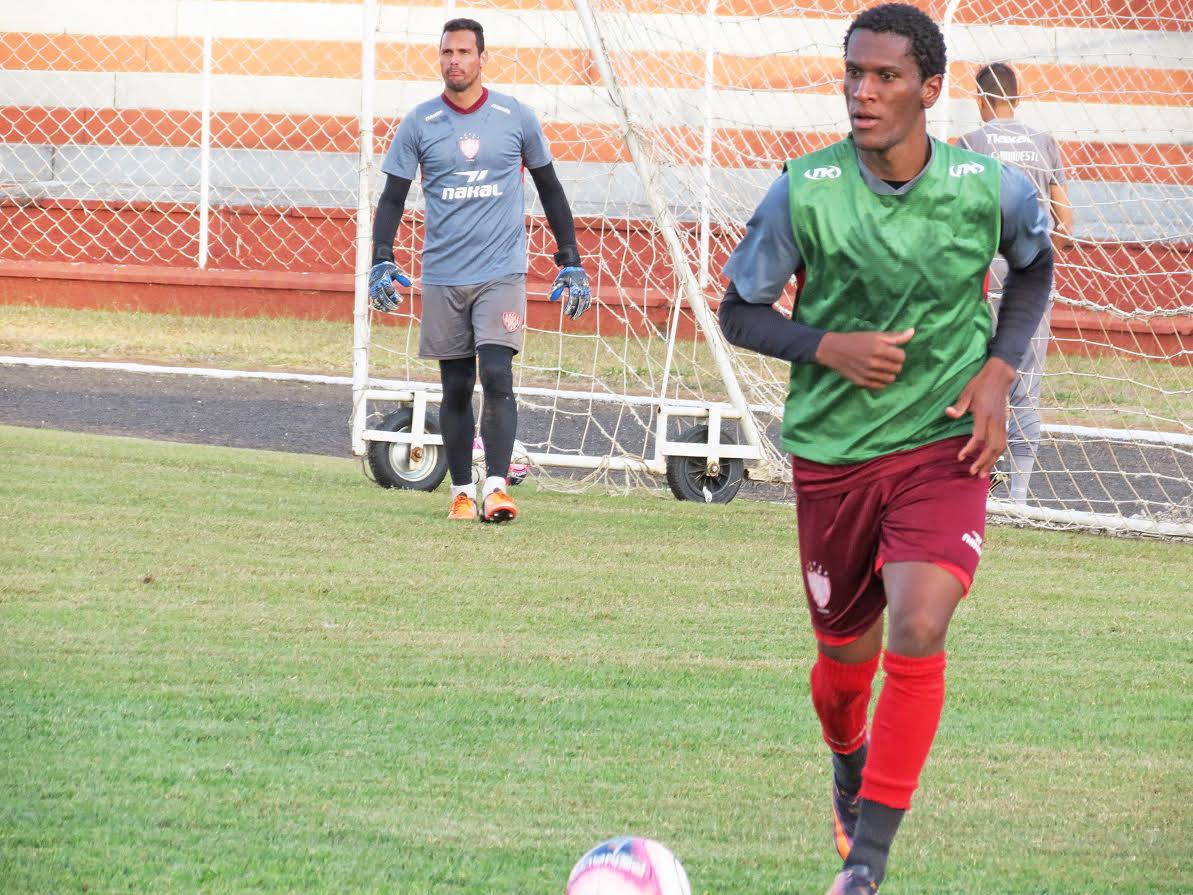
point(927, 43)
point(468, 25)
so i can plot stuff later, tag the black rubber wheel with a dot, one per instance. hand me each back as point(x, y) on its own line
point(688, 477)
point(391, 463)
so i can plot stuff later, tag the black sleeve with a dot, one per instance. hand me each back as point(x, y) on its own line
point(763, 329)
point(559, 214)
point(389, 214)
point(1025, 297)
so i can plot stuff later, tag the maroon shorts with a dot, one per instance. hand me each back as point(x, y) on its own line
point(920, 505)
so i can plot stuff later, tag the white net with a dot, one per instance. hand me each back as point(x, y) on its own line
point(222, 135)
point(717, 95)
point(179, 135)
point(588, 389)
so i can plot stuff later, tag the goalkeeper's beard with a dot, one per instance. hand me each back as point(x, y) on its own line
point(460, 83)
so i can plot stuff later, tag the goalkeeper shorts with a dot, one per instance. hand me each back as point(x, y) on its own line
point(456, 320)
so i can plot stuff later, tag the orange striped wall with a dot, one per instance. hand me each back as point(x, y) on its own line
point(555, 67)
point(1160, 163)
point(165, 235)
point(1137, 277)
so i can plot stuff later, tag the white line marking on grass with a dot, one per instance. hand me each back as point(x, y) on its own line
point(1123, 435)
point(209, 372)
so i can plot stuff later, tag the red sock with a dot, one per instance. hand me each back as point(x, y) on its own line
point(841, 695)
point(905, 721)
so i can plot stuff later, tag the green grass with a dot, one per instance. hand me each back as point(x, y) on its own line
point(319, 346)
point(229, 671)
point(1108, 391)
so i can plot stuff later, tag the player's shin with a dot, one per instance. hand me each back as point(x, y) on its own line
point(499, 418)
point(457, 422)
point(841, 696)
point(905, 722)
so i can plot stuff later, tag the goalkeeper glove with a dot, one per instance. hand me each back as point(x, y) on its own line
point(382, 294)
point(573, 281)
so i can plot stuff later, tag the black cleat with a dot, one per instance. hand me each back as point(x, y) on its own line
point(854, 881)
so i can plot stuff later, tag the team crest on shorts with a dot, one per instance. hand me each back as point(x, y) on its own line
point(470, 145)
point(511, 320)
point(819, 586)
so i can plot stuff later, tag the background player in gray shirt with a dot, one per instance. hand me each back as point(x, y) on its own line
point(472, 146)
point(1009, 140)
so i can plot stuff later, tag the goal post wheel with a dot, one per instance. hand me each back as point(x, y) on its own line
point(704, 479)
point(402, 465)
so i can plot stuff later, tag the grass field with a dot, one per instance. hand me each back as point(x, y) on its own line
point(1100, 391)
point(228, 671)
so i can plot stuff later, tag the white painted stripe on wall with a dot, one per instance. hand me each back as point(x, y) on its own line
point(526, 28)
point(68, 89)
point(569, 104)
point(143, 18)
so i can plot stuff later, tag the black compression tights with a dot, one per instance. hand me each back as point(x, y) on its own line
point(499, 420)
point(456, 420)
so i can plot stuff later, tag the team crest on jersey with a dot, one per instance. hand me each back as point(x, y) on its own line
point(470, 145)
point(819, 586)
point(511, 320)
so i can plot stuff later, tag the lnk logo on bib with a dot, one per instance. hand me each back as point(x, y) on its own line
point(966, 168)
point(832, 172)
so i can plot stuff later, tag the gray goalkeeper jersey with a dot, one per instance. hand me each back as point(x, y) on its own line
point(472, 179)
point(1032, 151)
point(1014, 143)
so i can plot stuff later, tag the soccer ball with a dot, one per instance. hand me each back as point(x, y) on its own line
point(519, 462)
point(628, 865)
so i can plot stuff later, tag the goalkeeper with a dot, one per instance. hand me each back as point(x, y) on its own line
point(472, 146)
point(1012, 142)
point(897, 402)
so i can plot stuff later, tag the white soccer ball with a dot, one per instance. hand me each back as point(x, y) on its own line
point(628, 865)
point(519, 462)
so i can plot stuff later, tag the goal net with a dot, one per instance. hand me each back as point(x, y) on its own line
point(215, 144)
point(690, 107)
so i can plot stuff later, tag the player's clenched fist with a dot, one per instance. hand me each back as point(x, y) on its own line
point(382, 294)
point(572, 282)
point(869, 359)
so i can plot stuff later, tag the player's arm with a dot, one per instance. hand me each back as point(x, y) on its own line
point(1058, 197)
point(384, 272)
point(1025, 244)
point(758, 271)
point(1062, 217)
point(571, 283)
point(390, 207)
point(399, 165)
point(763, 329)
point(571, 277)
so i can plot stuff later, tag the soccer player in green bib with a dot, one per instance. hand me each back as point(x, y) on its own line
point(897, 403)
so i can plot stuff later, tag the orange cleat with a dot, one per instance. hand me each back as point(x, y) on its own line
point(463, 508)
point(845, 813)
point(499, 507)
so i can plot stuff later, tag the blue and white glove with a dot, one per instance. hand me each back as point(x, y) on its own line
point(382, 294)
point(573, 281)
